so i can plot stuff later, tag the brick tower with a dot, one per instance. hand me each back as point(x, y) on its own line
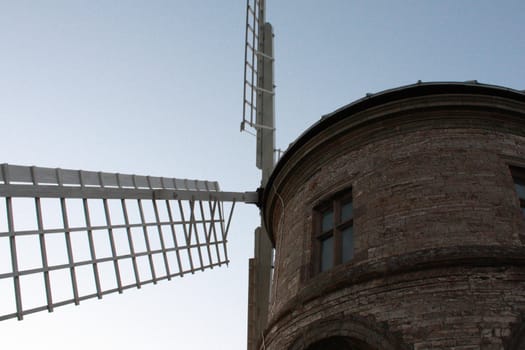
point(399, 223)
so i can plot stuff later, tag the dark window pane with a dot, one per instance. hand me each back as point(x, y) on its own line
point(327, 253)
point(327, 221)
point(523, 211)
point(348, 243)
point(520, 188)
point(346, 212)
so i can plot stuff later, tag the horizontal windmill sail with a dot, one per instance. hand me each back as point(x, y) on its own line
point(71, 235)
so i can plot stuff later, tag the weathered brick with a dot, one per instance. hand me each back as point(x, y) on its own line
point(439, 255)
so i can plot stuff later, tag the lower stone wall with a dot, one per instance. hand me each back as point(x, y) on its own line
point(459, 308)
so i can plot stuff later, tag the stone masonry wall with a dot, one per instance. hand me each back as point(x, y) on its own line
point(439, 237)
point(459, 308)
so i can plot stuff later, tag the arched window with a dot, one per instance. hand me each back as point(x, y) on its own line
point(351, 332)
point(339, 343)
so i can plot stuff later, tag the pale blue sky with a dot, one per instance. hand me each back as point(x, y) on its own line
point(155, 87)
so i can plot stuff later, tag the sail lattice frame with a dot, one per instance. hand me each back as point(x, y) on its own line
point(253, 56)
point(70, 235)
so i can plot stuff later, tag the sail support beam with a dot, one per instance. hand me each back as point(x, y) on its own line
point(43, 191)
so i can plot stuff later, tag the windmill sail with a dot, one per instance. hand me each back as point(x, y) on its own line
point(259, 120)
point(71, 235)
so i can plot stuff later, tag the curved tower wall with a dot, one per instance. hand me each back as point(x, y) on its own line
point(438, 235)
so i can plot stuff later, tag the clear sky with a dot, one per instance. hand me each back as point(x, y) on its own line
point(155, 88)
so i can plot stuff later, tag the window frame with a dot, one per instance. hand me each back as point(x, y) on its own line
point(518, 174)
point(335, 204)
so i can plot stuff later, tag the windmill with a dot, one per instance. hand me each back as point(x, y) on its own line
point(107, 214)
point(386, 51)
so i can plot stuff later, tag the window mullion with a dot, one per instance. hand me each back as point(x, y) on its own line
point(338, 253)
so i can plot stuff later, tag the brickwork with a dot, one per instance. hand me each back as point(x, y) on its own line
point(439, 238)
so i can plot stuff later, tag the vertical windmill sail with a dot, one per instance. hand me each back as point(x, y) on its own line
point(259, 120)
point(71, 235)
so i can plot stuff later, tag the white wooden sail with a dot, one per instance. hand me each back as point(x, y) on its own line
point(71, 235)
